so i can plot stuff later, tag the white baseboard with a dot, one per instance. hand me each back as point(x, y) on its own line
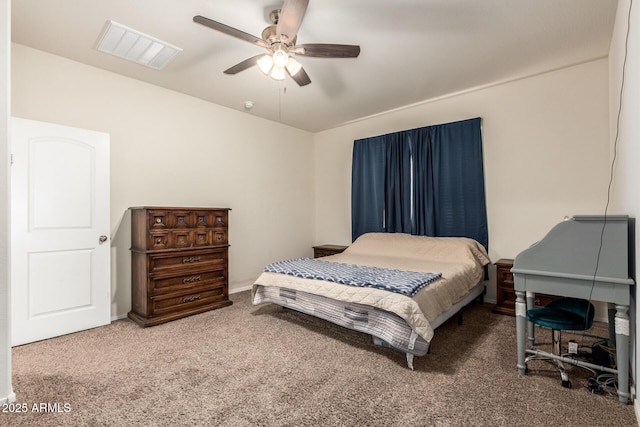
point(240, 289)
point(118, 317)
point(244, 285)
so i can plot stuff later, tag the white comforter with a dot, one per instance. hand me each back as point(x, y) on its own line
point(460, 260)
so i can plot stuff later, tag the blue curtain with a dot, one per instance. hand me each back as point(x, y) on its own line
point(424, 208)
point(367, 186)
point(457, 196)
point(427, 181)
point(397, 184)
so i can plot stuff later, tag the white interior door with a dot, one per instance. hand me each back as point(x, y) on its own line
point(60, 251)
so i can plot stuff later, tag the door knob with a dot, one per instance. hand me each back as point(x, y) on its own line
point(103, 239)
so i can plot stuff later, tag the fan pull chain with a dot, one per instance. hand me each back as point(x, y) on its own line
point(281, 91)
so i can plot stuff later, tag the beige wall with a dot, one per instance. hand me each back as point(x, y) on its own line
point(168, 149)
point(546, 151)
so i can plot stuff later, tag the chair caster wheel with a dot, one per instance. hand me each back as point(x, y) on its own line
point(566, 383)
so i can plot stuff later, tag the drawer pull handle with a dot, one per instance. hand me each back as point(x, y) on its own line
point(190, 259)
point(191, 279)
point(190, 298)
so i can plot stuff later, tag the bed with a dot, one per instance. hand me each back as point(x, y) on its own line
point(392, 317)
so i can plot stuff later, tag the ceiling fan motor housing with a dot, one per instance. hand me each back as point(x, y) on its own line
point(270, 35)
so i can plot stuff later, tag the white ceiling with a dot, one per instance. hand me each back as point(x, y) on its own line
point(411, 50)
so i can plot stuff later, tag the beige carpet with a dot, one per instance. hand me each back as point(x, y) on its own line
point(262, 366)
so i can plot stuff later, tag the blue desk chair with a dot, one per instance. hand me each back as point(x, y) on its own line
point(562, 314)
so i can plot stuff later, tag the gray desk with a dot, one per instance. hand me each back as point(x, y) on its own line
point(564, 263)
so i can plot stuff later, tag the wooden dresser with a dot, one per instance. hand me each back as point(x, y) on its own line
point(506, 295)
point(179, 262)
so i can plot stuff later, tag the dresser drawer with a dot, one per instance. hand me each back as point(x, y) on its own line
point(504, 277)
point(185, 238)
point(165, 304)
point(157, 219)
point(219, 237)
point(220, 219)
point(209, 259)
point(161, 219)
point(164, 283)
point(197, 238)
point(158, 239)
point(507, 297)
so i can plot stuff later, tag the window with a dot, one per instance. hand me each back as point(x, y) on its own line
point(426, 181)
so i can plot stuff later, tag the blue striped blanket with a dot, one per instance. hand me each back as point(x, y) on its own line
point(399, 281)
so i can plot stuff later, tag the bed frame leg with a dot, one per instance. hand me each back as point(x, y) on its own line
point(410, 361)
point(480, 298)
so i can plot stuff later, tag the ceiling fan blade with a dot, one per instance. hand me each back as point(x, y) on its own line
point(322, 50)
point(301, 77)
point(291, 17)
point(234, 32)
point(241, 66)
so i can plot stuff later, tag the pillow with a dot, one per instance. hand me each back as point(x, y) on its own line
point(440, 249)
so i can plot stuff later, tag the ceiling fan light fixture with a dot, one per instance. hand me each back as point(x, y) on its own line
point(277, 73)
point(265, 63)
point(280, 58)
point(293, 66)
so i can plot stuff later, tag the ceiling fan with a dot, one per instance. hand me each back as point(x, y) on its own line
point(279, 39)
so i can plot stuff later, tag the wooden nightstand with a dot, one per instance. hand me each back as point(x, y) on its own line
point(505, 295)
point(326, 250)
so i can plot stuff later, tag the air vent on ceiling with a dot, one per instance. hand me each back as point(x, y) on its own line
point(135, 46)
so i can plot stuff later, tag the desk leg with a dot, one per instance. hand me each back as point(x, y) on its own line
point(622, 351)
point(521, 333)
point(612, 324)
point(531, 303)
